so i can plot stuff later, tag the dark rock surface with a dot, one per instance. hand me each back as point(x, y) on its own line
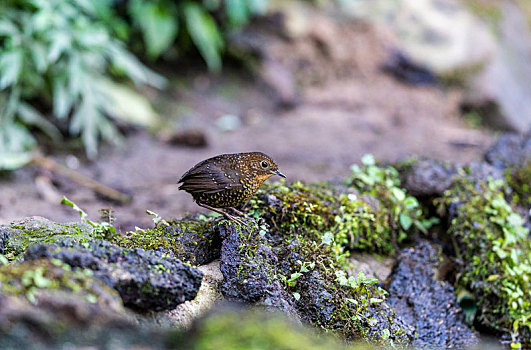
point(428, 177)
point(511, 150)
point(254, 271)
point(17, 236)
point(59, 319)
point(146, 280)
point(251, 279)
point(46, 305)
point(426, 303)
point(198, 248)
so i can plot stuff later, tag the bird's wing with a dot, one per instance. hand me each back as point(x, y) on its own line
point(205, 179)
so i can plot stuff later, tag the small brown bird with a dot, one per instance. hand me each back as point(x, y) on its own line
point(227, 180)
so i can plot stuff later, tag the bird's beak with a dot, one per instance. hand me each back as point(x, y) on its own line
point(277, 172)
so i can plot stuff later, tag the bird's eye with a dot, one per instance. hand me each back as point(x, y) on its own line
point(264, 164)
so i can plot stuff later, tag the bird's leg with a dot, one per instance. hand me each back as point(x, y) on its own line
point(239, 213)
point(225, 214)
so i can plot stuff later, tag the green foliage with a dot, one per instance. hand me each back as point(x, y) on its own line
point(383, 183)
point(494, 255)
point(57, 53)
point(58, 59)
point(162, 21)
point(374, 215)
point(103, 229)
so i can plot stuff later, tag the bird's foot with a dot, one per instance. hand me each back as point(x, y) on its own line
point(239, 213)
point(225, 214)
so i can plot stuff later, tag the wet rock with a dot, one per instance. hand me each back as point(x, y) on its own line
point(146, 280)
point(482, 171)
point(208, 295)
point(426, 303)
point(427, 178)
point(45, 305)
point(193, 241)
point(300, 277)
point(430, 178)
point(62, 320)
point(197, 247)
point(250, 275)
point(4, 240)
point(17, 236)
point(405, 70)
point(511, 150)
point(324, 299)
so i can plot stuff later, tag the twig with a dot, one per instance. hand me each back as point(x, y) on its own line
point(51, 165)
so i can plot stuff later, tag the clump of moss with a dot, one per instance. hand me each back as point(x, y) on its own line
point(352, 306)
point(372, 213)
point(312, 281)
point(254, 329)
point(19, 236)
point(493, 253)
point(29, 278)
point(194, 241)
point(519, 179)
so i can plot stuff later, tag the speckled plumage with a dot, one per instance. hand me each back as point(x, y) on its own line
point(227, 180)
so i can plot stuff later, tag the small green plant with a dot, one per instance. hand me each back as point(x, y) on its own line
point(103, 229)
point(157, 219)
point(493, 254)
point(384, 184)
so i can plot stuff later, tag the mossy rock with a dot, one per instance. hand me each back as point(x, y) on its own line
point(303, 277)
point(519, 179)
point(45, 304)
point(146, 280)
point(18, 236)
point(32, 280)
point(493, 256)
point(192, 240)
point(374, 218)
point(254, 329)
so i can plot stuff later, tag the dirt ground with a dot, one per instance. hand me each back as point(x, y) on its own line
point(346, 106)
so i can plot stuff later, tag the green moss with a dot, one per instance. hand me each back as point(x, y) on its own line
point(179, 237)
point(373, 214)
point(520, 181)
point(254, 330)
point(493, 255)
point(311, 271)
point(34, 231)
point(29, 278)
point(359, 312)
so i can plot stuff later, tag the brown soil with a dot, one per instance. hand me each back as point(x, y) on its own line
point(346, 107)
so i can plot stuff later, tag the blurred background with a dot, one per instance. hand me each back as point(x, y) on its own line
point(109, 102)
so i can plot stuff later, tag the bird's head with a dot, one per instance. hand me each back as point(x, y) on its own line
point(262, 166)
